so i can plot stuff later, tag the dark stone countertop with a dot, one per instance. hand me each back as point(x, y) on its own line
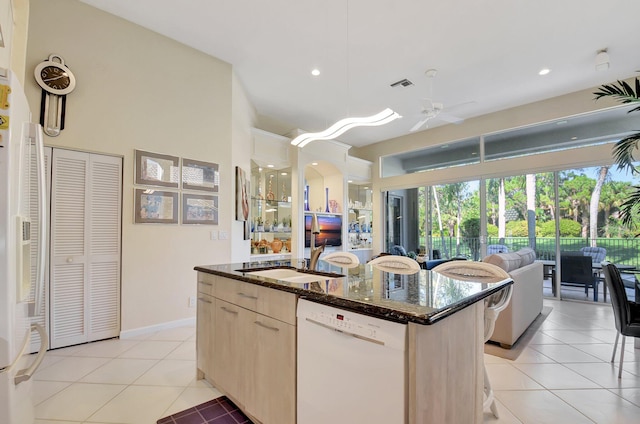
point(423, 298)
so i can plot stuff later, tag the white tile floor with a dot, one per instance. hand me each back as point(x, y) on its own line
point(121, 381)
point(563, 376)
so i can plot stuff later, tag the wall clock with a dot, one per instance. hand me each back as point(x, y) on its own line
point(56, 80)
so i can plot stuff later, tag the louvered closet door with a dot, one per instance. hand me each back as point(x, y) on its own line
point(104, 229)
point(85, 247)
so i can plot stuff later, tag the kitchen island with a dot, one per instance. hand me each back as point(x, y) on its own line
point(247, 335)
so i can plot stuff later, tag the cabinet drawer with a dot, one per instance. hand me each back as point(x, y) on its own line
point(206, 282)
point(277, 304)
point(264, 300)
point(238, 293)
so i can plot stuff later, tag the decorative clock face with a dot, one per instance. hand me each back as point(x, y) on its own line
point(54, 77)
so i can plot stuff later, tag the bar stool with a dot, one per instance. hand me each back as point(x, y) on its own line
point(396, 264)
point(493, 305)
point(343, 259)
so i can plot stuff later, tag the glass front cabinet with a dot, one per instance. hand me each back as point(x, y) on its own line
point(359, 219)
point(270, 211)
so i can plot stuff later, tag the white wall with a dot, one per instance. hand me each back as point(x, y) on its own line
point(140, 90)
point(14, 16)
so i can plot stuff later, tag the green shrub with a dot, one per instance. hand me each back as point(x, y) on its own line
point(516, 229)
point(568, 228)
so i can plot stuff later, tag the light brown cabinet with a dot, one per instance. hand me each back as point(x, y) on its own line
point(205, 331)
point(249, 346)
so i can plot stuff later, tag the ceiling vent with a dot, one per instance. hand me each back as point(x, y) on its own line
point(402, 83)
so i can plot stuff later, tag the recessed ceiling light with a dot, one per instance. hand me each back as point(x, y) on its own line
point(283, 173)
point(349, 181)
point(315, 72)
point(269, 166)
point(544, 71)
point(314, 163)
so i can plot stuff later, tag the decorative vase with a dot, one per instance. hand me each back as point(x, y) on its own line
point(306, 199)
point(270, 195)
point(276, 245)
point(326, 208)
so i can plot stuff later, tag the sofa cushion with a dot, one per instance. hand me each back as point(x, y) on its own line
point(506, 261)
point(527, 256)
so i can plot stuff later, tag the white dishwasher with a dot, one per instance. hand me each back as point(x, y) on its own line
point(351, 367)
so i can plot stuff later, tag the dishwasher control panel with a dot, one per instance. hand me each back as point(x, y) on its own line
point(377, 330)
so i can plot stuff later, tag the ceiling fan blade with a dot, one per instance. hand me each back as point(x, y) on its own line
point(420, 123)
point(450, 118)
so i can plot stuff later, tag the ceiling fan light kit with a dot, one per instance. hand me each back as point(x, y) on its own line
point(345, 125)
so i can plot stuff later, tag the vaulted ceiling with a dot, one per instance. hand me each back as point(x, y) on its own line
point(487, 53)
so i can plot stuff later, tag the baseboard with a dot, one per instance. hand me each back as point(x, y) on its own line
point(129, 334)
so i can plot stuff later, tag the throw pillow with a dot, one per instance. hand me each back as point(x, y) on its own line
point(506, 261)
point(527, 256)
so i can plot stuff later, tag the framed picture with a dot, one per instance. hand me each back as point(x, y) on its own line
point(197, 175)
point(199, 209)
point(155, 207)
point(156, 169)
point(242, 195)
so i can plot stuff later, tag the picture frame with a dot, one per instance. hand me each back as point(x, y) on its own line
point(201, 176)
point(242, 195)
point(155, 206)
point(199, 209)
point(157, 169)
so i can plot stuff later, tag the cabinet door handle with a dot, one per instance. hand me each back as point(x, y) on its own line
point(268, 327)
point(231, 311)
point(205, 283)
point(204, 300)
point(248, 296)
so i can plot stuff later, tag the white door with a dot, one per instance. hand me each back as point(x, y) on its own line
point(85, 247)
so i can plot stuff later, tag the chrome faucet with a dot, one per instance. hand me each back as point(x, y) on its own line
point(315, 251)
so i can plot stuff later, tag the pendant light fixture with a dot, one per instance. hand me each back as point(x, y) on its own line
point(344, 125)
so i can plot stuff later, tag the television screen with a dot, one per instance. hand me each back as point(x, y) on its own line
point(330, 230)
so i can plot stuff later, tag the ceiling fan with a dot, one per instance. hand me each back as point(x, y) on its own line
point(432, 109)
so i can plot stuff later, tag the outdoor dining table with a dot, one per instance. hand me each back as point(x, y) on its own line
point(549, 265)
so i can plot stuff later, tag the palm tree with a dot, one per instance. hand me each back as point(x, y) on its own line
point(594, 203)
point(623, 149)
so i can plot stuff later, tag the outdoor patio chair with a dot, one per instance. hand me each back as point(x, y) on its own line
point(497, 248)
point(578, 271)
point(597, 254)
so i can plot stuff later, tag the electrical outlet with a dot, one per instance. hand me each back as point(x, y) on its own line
point(192, 301)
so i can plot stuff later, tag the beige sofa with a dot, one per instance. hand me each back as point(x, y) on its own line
point(526, 299)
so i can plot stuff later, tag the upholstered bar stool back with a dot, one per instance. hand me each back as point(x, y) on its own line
point(493, 305)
